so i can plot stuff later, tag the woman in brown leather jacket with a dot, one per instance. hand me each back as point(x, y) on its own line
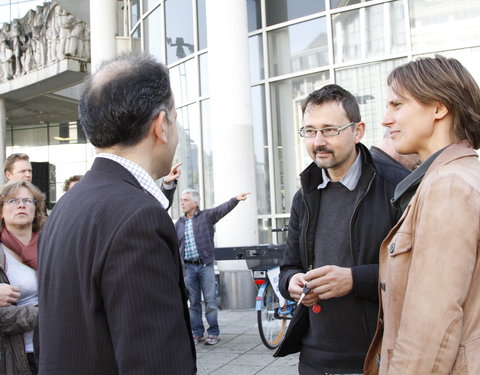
point(430, 261)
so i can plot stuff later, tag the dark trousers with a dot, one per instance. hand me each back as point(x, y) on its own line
point(32, 363)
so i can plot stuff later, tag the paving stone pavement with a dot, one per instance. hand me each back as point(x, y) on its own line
point(240, 350)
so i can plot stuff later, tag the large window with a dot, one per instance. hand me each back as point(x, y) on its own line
point(260, 140)
point(298, 47)
point(369, 86)
point(443, 24)
point(154, 32)
point(179, 21)
point(288, 150)
point(184, 81)
point(369, 32)
point(189, 146)
point(285, 10)
point(257, 70)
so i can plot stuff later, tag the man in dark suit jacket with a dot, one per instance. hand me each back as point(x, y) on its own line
point(111, 293)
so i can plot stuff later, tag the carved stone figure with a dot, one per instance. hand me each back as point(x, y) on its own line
point(6, 53)
point(42, 36)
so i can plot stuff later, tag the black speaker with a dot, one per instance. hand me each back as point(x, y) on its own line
point(44, 177)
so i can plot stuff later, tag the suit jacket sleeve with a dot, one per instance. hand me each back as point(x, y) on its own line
point(142, 286)
point(169, 193)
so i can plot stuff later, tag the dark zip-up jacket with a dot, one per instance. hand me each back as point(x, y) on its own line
point(203, 229)
point(372, 218)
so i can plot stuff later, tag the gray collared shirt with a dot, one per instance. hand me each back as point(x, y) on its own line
point(351, 178)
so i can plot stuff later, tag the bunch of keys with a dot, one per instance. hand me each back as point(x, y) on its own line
point(305, 291)
point(315, 308)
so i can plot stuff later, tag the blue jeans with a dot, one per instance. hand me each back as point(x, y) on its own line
point(200, 278)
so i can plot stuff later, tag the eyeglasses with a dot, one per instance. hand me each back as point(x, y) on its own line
point(16, 201)
point(330, 131)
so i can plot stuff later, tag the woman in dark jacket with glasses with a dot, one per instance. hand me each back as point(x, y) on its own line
point(22, 208)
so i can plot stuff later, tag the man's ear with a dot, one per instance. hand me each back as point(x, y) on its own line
point(8, 175)
point(359, 131)
point(159, 127)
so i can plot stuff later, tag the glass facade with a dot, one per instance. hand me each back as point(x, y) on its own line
point(295, 47)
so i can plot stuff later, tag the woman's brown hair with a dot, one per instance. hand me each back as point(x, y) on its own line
point(443, 80)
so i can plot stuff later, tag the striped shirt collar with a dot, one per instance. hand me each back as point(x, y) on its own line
point(144, 179)
point(351, 178)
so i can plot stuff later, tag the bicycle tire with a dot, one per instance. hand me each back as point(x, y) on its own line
point(271, 328)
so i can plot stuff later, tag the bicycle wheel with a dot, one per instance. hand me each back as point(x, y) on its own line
point(270, 326)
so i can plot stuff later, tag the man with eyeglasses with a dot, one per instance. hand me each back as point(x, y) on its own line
point(338, 219)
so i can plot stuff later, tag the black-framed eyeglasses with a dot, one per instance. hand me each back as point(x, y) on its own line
point(330, 131)
point(16, 201)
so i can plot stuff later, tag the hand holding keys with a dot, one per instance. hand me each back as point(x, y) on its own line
point(305, 291)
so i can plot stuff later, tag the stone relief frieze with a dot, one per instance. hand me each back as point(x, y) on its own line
point(43, 36)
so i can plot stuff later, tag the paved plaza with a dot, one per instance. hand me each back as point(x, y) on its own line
point(240, 350)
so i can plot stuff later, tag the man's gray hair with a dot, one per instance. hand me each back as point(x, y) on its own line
point(194, 195)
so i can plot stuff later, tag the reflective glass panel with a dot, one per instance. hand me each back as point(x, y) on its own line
point(286, 10)
point(265, 231)
point(289, 154)
point(255, 47)
point(368, 83)
point(260, 144)
point(179, 22)
point(346, 36)
point(202, 24)
point(254, 15)
point(385, 29)
point(209, 191)
point(298, 47)
point(443, 24)
point(281, 237)
point(188, 148)
point(37, 136)
point(183, 79)
point(134, 12)
point(344, 3)
point(149, 4)
point(154, 35)
point(204, 74)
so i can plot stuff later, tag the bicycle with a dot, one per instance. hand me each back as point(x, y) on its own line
point(274, 312)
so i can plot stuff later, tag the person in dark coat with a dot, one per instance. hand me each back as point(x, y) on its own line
point(111, 294)
point(339, 218)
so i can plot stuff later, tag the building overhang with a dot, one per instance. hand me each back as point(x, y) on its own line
point(32, 98)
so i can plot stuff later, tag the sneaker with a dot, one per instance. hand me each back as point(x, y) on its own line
point(211, 340)
point(197, 339)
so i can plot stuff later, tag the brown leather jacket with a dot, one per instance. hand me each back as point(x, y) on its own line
point(430, 275)
point(14, 321)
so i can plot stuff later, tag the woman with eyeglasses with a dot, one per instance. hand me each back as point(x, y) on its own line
point(22, 216)
point(429, 279)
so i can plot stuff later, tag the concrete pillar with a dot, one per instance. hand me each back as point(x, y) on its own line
point(103, 29)
point(3, 135)
point(231, 116)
